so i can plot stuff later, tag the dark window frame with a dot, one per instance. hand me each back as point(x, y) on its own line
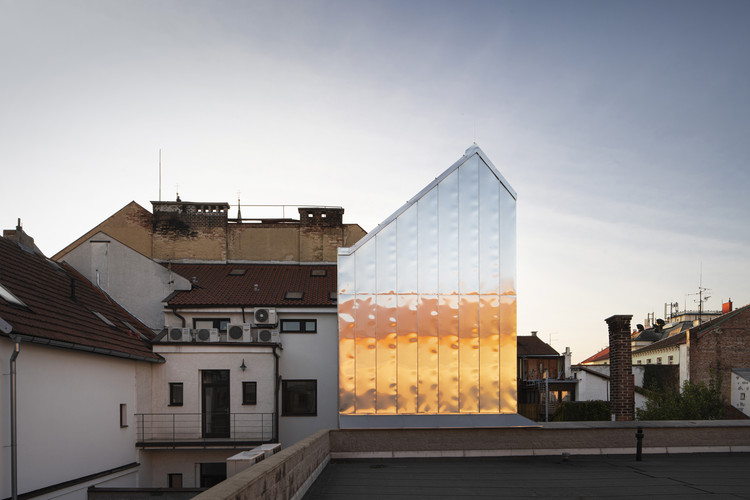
point(303, 326)
point(217, 323)
point(292, 408)
point(247, 397)
point(173, 389)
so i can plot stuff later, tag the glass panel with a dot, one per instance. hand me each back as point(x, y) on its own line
point(508, 375)
point(407, 252)
point(347, 350)
point(468, 354)
point(365, 354)
point(468, 227)
point(427, 355)
point(345, 272)
point(448, 234)
point(407, 353)
point(427, 235)
point(489, 353)
point(387, 354)
point(387, 269)
point(507, 243)
point(489, 235)
point(365, 275)
point(448, 354)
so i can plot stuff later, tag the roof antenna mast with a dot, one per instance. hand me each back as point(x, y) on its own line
point(159, 174)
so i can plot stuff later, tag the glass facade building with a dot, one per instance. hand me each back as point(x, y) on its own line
point(427, 302)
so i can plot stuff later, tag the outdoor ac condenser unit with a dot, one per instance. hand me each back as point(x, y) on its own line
point(179, 335)
point(207, 335)
point(238, 332)
point(263, 316)
point(268, 335)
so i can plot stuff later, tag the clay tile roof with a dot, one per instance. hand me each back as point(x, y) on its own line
point(599, 356)
point(51, 316)
point(218, 285)
point(530, 345)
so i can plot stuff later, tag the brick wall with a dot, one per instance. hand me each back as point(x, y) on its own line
point(621, 397)
point(719, 349)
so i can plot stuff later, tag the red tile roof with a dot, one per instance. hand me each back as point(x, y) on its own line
point(215, 286)
point(52, 316)
point(599, 356)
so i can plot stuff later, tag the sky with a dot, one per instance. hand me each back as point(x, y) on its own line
point(622, 125)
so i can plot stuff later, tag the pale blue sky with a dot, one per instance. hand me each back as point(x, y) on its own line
point(622, 125)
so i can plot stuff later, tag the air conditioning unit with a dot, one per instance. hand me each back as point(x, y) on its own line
point(238, 332)
point(268, 335)
point(206, 334)
point(179, 335)
point(264, 317)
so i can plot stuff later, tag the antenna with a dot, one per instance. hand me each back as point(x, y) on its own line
point(159, 174)
point(239, 210)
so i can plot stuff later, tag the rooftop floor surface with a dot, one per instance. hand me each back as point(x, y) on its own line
point(690, 476)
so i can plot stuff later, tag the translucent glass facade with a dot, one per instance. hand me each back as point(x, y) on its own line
point(427, 302)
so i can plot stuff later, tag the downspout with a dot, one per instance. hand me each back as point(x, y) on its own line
point(182, 318)
point(243, 314)
point(13, 419)
point(277, 378)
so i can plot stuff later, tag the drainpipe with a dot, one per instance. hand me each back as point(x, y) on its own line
point(243, 314)
point(182, 318)
point(13, 420)
point(277, 378)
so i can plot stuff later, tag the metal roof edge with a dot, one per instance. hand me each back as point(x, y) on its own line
point(84, 348)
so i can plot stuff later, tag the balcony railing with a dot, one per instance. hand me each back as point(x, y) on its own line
point(187, 429)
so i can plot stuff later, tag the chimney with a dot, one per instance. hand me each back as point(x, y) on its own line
point(621, 399)
point(533, 333)
point(20, 237)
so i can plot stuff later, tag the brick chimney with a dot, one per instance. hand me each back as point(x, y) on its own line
point(621, 393)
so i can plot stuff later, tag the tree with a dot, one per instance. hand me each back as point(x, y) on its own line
point(696, 402)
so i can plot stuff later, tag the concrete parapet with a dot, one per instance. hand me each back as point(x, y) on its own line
point(285, 475)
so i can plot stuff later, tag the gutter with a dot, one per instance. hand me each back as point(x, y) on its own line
point(85, 348)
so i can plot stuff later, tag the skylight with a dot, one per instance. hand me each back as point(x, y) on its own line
point(104, 319)
point(293, 295)
point(10, 298)
point(318, 272)
point(237, 272)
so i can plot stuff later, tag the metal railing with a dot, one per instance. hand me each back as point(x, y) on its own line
point(176, 428)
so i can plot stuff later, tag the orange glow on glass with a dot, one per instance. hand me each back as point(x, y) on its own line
point(427, 354)
point(387, 355)
point(489, 354)
point(448, 354)
point(346, 353)
point(508, 375)
point(468, 354)
point(407, 353)
point(365, 352)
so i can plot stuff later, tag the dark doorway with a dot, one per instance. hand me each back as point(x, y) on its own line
point(215, 396)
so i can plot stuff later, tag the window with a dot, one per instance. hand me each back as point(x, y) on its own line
point(218, 323)
point(237, 272)
point(670, 360)
point(249, 393)
point(648, 361)
point(299, 398)
point(175, 394)
point(212, 474)
point(123, 415)
point(104, 319)
point(639, 362)
point(299, 325)
point(174, 480)
point(318, 272)
point(293, 296)
point(742, 396)
point(10, 298)
point(658, 360)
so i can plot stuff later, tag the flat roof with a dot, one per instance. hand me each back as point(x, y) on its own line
point(595, 476)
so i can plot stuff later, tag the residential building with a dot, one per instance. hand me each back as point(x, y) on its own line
point(203, 279)
point(740, 384)
point(69, 396)
point(544, 377)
